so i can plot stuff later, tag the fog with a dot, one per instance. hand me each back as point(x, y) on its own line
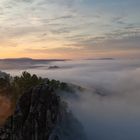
point(108, 108)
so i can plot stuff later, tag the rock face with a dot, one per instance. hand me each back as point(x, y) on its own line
point(5, 108)
point(40, 115)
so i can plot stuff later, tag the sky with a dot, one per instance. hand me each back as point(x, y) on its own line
point(69, 29)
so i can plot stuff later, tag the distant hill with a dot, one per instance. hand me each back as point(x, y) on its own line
point(101, 59)
point(21, 63)
point(29, 60)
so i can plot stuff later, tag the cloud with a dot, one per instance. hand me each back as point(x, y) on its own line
point(125, 39)
point(108, 108)
point(46, 49)
point(89, 25)
point(112, 115)
point(119, 19)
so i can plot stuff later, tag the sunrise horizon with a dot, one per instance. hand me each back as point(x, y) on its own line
point(85, 29)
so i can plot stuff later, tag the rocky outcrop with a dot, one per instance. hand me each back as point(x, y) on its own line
point(5, 108)
point(41, 115)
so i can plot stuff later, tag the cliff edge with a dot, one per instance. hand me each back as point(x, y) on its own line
point(41, 115)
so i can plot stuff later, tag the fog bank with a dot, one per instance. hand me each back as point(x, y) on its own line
point(109, 106)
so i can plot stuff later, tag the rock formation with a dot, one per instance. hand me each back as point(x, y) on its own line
point(41, 115)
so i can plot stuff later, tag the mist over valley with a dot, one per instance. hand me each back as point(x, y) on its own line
point(108, 104)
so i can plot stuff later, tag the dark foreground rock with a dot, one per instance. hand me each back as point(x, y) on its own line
point(41, 115)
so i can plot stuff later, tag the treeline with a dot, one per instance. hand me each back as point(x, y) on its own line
point(14, 87)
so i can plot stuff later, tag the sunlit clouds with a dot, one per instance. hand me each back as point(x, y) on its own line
point(72, 29)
